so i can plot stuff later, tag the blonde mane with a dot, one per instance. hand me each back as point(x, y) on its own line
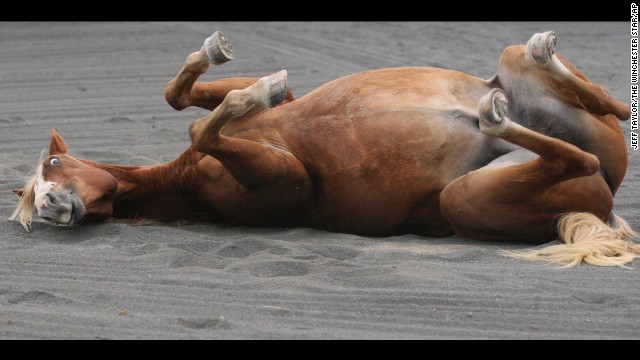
point(24, 211)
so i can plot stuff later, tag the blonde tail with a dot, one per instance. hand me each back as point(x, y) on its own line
point(587, 239)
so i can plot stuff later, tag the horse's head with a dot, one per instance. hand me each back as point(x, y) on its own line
point(66, 191)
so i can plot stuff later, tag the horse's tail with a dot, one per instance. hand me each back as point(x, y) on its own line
point(587, 239)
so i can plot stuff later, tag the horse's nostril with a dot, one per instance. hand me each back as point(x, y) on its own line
point(50, 198)
point(47, 218)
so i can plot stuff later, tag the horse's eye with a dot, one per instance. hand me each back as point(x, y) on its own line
point(55, 161)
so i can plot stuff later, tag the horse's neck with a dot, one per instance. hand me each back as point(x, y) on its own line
point(161, 192)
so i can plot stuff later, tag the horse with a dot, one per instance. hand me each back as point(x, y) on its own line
point(532, 154)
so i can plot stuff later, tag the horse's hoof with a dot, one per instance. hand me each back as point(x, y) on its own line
point(218, 48)
point(276, 87)
point(492, 111)
point(541, 47)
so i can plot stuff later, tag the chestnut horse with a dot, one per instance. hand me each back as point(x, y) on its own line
point(533, 153)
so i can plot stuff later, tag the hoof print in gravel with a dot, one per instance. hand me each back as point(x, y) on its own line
point(280, 251)
point(37, 297)
point(334, 252)
point(196, 247)
point(233, 251)
point(12, 120)
point(241, 249)
point(119, 120)
point(199, 324)
point(186, 259)
point(273, 269)
point(277, 311)
point(144, 249)
point(305, 257)
point(596, 298)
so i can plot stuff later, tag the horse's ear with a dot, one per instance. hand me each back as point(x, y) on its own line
point(57, 144)
point(18, 192)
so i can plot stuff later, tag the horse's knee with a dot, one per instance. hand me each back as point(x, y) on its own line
point(199, 140)
point(237, 102)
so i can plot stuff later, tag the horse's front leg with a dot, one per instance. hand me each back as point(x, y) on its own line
point(183, 91)
point(250, 159)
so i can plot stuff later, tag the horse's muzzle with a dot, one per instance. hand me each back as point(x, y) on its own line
point(62, 208)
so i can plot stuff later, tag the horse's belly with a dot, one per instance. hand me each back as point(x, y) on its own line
point(389, 180)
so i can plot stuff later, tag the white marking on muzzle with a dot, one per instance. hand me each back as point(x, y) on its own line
point(43, 187)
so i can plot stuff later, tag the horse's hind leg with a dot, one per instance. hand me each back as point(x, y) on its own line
point(183, 91)
point(570, 83)
point(523, 201)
